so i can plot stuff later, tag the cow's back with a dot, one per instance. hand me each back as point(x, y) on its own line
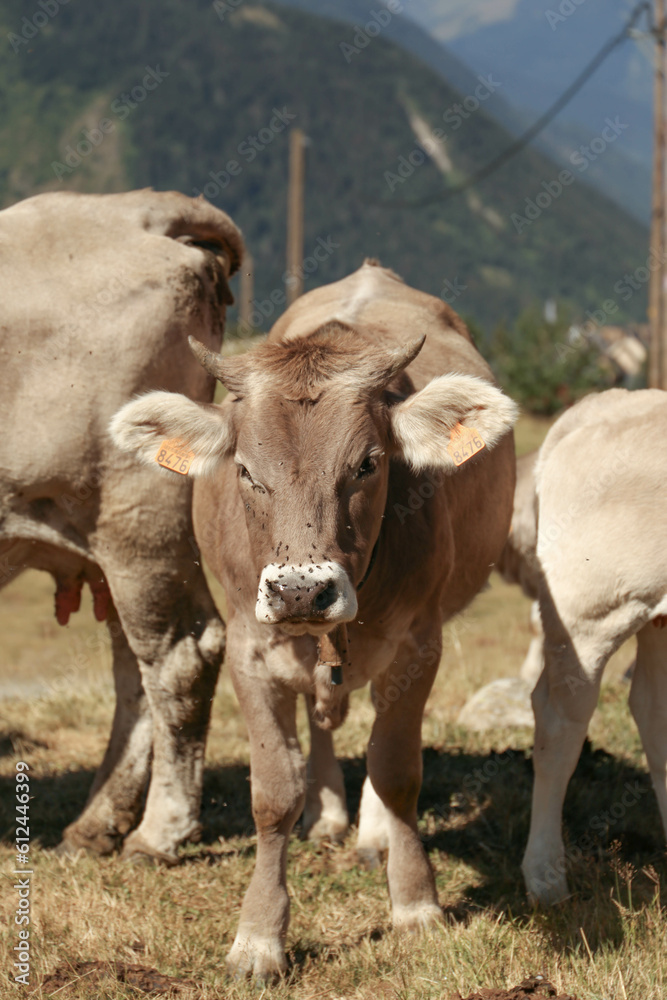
point(600, 480)
point(99, 293)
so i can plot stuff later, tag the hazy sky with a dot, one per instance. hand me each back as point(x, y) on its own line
point(450, 18)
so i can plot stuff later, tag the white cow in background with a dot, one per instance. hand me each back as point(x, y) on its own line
point(601, 478)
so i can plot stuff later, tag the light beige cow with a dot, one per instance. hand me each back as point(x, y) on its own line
point(518, 562)
point(99, 295)
point(602, 519)
point(330, 506)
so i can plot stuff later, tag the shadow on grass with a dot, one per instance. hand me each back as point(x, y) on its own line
point(473, 807)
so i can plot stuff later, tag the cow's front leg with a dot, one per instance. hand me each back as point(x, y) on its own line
point(278, 781)
point(115, 800)
point(395, 771)
point(325, 814)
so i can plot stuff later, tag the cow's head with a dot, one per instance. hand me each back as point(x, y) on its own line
point(312, 424)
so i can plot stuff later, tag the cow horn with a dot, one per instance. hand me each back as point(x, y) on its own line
point(229, 371)
point(396, 361)
point(209, 360)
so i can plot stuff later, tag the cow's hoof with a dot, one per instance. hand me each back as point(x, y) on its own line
point(546, 886)
point(331, 828)
point(75, 840)
point(138, 852)
point(416, 918)
point(369, 858)
point(260, 957)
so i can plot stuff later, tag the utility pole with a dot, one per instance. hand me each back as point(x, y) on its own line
point(246, 293)
point(297, 143)
point(657, 373)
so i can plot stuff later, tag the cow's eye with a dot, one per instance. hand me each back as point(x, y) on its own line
point(244, 474)
point(368, 466)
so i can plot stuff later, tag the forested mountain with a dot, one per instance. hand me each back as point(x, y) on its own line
point(201, 97)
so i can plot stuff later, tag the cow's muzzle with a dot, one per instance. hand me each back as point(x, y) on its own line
point(311, 597)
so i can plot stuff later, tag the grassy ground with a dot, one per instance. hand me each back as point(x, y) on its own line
point(607, 942)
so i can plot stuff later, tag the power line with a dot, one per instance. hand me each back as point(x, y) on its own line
point(526, 137)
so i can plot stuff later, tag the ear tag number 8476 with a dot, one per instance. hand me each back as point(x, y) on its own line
point(175, 455)
point(464, 443)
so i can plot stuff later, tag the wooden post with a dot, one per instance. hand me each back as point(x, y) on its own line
point(295, 215)
point(657, 373)
point(246, 292)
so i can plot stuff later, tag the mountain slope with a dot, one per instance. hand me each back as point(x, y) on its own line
point(533, 67)
point(218, 119)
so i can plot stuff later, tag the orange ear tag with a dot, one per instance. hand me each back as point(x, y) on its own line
point(464, 443)
point(175, 455)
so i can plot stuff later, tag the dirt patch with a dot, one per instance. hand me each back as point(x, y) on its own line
point(536, 988)
point(139, 977)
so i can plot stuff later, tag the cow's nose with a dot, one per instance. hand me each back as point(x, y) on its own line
point(305, 592)
point(303, 600)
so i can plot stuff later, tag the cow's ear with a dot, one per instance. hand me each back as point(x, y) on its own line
point(144, 424)
point(422, 425)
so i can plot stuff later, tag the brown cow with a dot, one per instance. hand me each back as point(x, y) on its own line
point(333, 504)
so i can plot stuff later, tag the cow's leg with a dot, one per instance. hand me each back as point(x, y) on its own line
point(531, 667)
point(178, 639)
point(278, 781)
point(325, 813)
point(114, 803)
point(648, 703)
point(179, 682)
point(563, 702)
point(395, 771)
point(373, 835)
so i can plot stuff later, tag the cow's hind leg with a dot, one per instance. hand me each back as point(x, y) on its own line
point(325, 813)
point(395, 771)
point(115, 800)
point(373, 835)
point(179, 680)
point(648, 703)
point(563, 702)
point(278, 782)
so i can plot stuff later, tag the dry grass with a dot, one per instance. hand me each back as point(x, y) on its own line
point(608, 942)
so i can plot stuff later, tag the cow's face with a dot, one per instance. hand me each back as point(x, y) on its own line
point(311, 429)
point(312, 474)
